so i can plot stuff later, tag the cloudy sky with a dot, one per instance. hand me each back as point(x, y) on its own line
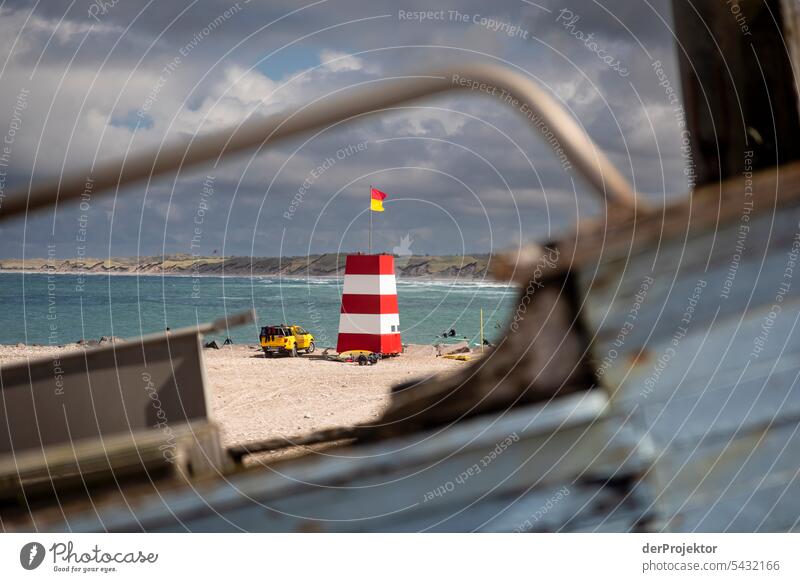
point(82, 82)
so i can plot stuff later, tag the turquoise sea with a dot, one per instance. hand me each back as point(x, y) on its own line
point(55, 309)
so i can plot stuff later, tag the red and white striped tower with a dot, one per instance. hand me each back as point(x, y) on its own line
point(369, 319)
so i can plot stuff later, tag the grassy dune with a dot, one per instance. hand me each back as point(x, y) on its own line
point(324, 265)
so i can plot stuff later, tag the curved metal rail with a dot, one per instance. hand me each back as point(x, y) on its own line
point(541, 110)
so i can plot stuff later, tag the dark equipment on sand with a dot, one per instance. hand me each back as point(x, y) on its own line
point(368, 360)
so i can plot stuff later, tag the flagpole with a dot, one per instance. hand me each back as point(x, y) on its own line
point(370, 219)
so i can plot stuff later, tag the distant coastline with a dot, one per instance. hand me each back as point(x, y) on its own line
point(470, 267)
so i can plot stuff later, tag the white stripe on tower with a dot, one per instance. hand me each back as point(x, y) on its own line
point(369, 323)
point(369, 285)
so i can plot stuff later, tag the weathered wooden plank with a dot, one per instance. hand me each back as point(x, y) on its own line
point(101, 392)
point(748, 482)
point(656, 285)
point(407, 478)
point(574, 506)
point(620, 237)
point(707, 359)
point(734, 72)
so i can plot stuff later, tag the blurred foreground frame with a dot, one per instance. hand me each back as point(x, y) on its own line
point(634, 389)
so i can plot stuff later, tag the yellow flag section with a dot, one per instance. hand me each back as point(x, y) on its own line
point(376, 201)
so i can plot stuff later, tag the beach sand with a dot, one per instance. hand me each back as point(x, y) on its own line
point(253, 397)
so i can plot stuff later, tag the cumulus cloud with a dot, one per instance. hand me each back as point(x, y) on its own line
point(458, 164)
point(337, 61)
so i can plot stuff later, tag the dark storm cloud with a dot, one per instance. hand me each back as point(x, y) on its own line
point(463, 171)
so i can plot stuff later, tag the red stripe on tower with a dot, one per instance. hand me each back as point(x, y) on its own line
point(369, 318)
point(369, 265)
point(369, 304)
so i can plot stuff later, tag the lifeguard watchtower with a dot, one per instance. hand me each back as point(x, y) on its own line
point(369, 318)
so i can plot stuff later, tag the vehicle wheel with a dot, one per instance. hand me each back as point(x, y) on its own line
point(267, 354)
point(311, 348)
point(362, 360)
point(293, 353)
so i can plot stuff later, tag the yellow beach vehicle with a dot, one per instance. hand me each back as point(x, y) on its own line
point(285, 339)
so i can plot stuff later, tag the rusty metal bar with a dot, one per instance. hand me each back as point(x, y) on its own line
point(542, 109)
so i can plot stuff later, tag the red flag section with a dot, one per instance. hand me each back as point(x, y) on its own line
point(376, 201)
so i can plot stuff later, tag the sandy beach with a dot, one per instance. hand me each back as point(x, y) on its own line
point(252, 397)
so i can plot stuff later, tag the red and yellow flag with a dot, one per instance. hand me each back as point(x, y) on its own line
point(376, 201)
